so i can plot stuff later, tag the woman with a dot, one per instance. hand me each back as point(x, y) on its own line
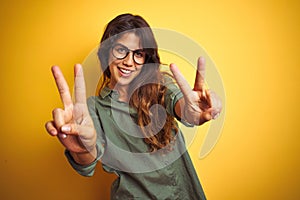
point(131, 125)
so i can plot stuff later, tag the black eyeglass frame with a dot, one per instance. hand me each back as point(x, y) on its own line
point(128, 51)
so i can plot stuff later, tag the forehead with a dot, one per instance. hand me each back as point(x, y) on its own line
point(130, 40)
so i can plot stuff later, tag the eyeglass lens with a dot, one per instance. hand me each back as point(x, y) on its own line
point(120, 52)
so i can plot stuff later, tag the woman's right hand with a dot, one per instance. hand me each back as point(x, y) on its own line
point(73, 125)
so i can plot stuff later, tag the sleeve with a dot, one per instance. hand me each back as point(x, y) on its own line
point(88, 170)
point(84, 170)
point(172, 95)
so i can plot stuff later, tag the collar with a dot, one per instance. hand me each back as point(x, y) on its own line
point(106, 91)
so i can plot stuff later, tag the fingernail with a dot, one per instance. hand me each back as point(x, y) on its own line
point(215, 116)
point(63, 136)
point(65, 128)
point(203, 92)
point(53, 132)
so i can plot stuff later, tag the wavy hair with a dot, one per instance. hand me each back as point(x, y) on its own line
point(148, 88)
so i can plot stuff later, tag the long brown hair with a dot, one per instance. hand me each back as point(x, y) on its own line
point(148, 88)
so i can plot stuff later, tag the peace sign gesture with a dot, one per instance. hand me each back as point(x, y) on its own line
point(198, 105)
point(73, 125)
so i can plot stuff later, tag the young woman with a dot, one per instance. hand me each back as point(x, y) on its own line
point(130, 126)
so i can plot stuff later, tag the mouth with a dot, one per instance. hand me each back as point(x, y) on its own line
point(124, 72)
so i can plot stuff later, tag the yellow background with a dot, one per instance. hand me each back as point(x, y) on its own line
point(254, 44)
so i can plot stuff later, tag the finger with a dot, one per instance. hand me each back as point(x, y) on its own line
point(200, 75)
point(215, 115)
point(219, 105)
point(62, 135)
point(181, 81)
point(80, 93)
point(216, 106)
point(76, 129)
point(216, 101)
point(207, 97)
point(70, 129)
point(62, 87)
point(205, 116)
point(58, 118)
point(51, 128)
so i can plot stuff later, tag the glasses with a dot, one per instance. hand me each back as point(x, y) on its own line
point(120, 51)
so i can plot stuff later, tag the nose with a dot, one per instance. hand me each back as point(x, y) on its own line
point(128, 60)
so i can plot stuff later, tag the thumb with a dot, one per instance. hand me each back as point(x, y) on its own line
point(206, 116)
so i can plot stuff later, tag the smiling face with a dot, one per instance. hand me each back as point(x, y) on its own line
point(124, 71)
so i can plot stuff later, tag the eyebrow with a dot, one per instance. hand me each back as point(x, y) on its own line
point(127, 47)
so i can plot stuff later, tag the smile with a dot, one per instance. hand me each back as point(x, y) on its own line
point(124, 71)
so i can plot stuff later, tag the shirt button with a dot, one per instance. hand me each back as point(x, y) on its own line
point(115, 95)
point(173, 179)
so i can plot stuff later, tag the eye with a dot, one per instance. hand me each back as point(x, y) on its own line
point(139, 53)
point(121, 50)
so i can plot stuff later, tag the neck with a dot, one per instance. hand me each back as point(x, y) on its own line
point(122, 90)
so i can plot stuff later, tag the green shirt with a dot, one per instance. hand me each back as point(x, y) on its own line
point(121, 149)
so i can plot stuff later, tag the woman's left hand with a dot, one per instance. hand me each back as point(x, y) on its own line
point(199, 105)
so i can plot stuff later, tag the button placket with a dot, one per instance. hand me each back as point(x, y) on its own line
point(115, 95)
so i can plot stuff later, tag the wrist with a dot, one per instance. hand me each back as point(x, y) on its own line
point(84, 158)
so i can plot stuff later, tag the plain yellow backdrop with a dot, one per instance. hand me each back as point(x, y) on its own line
point(254, 44)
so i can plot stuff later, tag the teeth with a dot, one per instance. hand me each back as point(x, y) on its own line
point(125, 71)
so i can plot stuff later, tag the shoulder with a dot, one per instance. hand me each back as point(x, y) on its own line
point(95, 103)
point(167, 78)
point(169, 82)
point(92, 100)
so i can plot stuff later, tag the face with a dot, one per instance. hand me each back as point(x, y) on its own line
point(125, 70)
